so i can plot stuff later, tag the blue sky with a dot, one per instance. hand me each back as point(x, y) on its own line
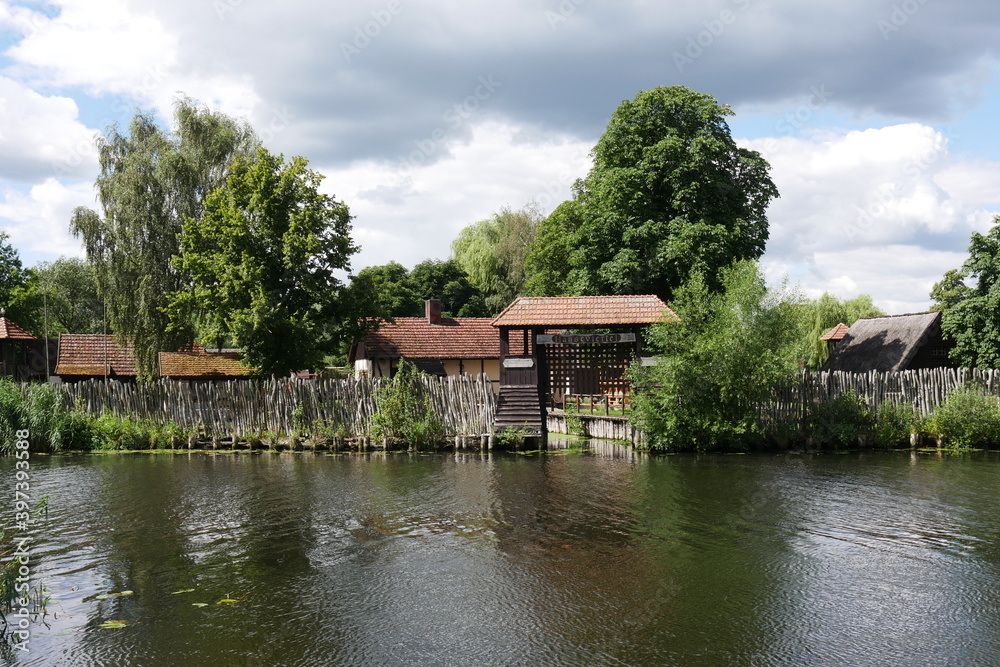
point(877, 116)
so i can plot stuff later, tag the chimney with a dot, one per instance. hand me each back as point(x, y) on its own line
point(432, 309)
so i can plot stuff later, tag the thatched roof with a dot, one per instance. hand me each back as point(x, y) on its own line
point(883, 343)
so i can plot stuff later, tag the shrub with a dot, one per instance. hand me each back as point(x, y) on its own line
point(719, 361)
point(893, 425)
point(839, 422)
point(968, 418)
point(403, 410)
point(36, 407)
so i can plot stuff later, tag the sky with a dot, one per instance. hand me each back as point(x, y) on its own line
point(878, 117)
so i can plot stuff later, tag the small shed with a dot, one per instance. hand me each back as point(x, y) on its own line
point(14, 350)
point(892, 343)
point(91, 356)
point(98, 356)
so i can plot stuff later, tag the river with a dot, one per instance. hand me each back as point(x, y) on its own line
point(569, 558)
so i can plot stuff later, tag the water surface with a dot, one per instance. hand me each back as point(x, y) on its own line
point(564, 559)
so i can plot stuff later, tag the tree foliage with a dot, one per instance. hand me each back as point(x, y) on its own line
point(71, 297)
point(973, 321)
point(494, 254)
point(550, 254)
point(389, 291)
point(150, 181)
point(724, 355)
point(263, 260)
point(950, 291)
point(20, 297)
point(670, 192)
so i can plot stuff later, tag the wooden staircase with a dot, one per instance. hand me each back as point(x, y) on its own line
point(518, 408)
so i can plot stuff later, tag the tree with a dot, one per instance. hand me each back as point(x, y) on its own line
point(150, 181)
point(494, 252)
point(71, 297)
point(550, 254)
point(20, 297)
point(670, 192)
point(950, 290)
point(434, 279)
point(724, 355)
point(826, 312)
point(388, 291)
point(263, 260)
point(973, 322)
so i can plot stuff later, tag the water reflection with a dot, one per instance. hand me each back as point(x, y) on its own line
point(560, 558)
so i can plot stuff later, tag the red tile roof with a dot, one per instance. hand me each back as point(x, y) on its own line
point(836, 333)
point(584, 311)
point(196, 364)
point(415, 338)
point(94, 354)
point(10, 331)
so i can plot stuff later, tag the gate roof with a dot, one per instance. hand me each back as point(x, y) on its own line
point(584, 311)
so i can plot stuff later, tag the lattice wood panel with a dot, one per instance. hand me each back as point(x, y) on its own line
point(587, 369)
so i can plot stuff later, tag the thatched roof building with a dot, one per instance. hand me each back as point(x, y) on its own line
point(893, 343)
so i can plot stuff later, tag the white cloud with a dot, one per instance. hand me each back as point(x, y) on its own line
point(38, 220)
point(411, 214)
point(41, 136)
point(110, 48)
point(99, 44)
point(883, 211)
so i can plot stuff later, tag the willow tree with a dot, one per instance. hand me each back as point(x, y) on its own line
point(494, 254)
point(826, 312)
point(150, 181)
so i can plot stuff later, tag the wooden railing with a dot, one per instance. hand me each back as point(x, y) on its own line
point(618, 405)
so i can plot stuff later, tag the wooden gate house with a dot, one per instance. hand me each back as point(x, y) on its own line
point(549, 348)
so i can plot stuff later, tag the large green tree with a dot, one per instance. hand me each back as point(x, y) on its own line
point(973, 321)
point(670, 192)
point(72, 300)
point(445, 280)
point(494, 254)
point(727, 351)
point(150, 181)
point(20, 298)
point(388, 291)
point(263, 261)
point(550, 254)
point(950, 291)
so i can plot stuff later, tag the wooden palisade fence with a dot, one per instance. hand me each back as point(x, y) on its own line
point(249, 408)
point(923, 389)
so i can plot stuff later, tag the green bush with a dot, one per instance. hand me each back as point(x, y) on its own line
point(723, 357)
point(968, 418)
point(36, 407)
point(893, 425)
point(403, 411)
point(839, 422)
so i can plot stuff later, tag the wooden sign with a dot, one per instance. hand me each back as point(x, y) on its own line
point(575, 339)
point(518, 362)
